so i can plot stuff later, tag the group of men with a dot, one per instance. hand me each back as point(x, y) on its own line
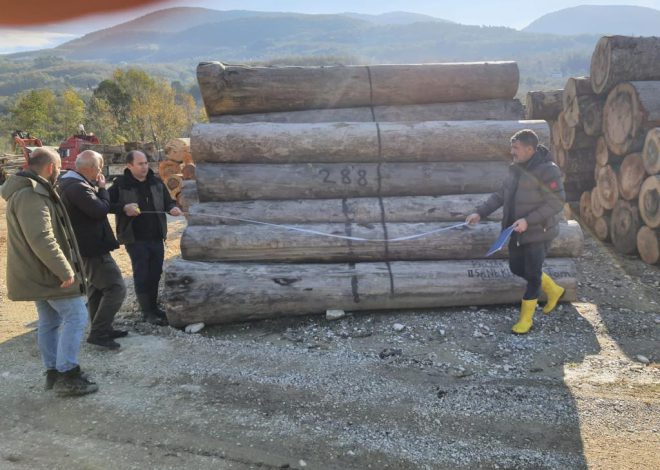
point(58, 253)
point(59, 245)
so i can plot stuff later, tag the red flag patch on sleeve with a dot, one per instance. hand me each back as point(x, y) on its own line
point(554, 185)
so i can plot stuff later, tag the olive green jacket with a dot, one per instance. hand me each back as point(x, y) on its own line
point(41, 247)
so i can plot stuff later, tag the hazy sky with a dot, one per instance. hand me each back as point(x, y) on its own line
point(513, 13)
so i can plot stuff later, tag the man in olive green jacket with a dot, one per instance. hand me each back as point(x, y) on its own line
point(42, 266)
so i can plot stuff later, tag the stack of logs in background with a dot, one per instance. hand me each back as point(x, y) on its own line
point(176, 168)
point(606, 138)
point(375, 152)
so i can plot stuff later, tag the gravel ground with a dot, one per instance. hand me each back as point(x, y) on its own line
point(449, 388)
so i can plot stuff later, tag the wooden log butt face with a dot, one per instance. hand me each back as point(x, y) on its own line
point(608, 187)
point(651, 152)
point(622, 119)
point(648, 244)
point(596, 207)
point(220, 292)
point(649, 201)
point(625, 223)
point(543, 104)
point(602, 228)
point(631, 175)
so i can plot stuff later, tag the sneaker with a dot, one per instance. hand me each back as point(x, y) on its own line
point(114, 334)
point(104, 342)
point(74, 383)
point(51, 377)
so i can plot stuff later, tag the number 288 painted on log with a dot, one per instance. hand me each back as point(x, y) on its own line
point(346, 176)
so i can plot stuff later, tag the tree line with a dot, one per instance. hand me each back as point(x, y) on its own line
point(129, 106)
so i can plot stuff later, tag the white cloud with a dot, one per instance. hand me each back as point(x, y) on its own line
point(16, 40)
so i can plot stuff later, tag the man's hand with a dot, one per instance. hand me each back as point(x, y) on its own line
point(520, 225)
point(473, 219)
point(68, 283)
point(100, 181)
point(131, 210)
point(176, 212)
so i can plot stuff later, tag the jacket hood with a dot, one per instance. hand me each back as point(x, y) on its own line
point(542, 155)
point(23, 179)
point(129, 180)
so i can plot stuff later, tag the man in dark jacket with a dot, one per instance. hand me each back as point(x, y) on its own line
point(142, 227)
point(88, 204)
point(43, 266)
point(533, 198)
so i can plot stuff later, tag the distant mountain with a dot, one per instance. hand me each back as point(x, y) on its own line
point(396, 17)
point(599, 19)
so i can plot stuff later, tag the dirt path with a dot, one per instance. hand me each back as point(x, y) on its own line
point(452, 390)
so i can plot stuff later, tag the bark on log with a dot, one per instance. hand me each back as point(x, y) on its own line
point(270, 244)
point(543, 104)
point(358, 142)
point(177, 149)
point(167, 168)
point(649, 201)
point(228, 292)
point(188, 171)
point(625, 224)
point(597, 208)
point(575, 138)
point(631, 175)
point(499, 110)
point(236, 182)
point(602, 227)
point(243, 90)
point(618, 59)
point(577, 97)
point(188, 196)
point(579, 161)
point(608, 187)
point(651, 151)
point(358, 210)
point(586, 213)
point(648, 244)
point(630, 110)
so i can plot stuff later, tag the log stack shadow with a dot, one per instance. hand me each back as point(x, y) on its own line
point(606, 138)
point(363, 152)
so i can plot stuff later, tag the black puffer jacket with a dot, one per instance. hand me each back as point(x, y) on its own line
point(534, 191)
point(88, 209)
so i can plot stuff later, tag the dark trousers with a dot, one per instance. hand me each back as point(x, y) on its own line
point(147, 261)
point(106, 292)
point(526, 261)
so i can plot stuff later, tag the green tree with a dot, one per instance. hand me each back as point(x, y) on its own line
point(70, 112)
point(101, 120)
point(34, 112)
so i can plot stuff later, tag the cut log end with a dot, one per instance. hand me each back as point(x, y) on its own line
point(602, 228)
point(649, 201)
point(625, 224)
point(608, 187)
point(651, 152)
point(648, 245)
point(631, 175)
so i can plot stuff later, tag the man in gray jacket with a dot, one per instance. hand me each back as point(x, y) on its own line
point(43, 266)
point(533, 198)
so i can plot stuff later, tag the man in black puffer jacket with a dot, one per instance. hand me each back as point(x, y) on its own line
point(88, 206)
point(533, 198)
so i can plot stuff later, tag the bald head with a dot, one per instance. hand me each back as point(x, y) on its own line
point(45, 162)
point(89, 164)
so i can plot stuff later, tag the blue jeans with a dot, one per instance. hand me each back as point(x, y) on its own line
point(61, 326)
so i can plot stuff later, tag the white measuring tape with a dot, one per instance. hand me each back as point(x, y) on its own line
point(325, 234)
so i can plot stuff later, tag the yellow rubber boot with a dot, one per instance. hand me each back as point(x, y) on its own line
point(525, 321)
point(552, 291)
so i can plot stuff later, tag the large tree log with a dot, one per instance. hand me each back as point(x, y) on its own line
point(603, 154)
point(543, 104)
point(166, 168)
point(229, 292)
point(236, 182)
point(651, 151)
point(243, 90)
point(362, 210)
point(358, 142)
point(591, 115)
point(578, 98)
point(618, 59)
point(625, 224)
point(631, 174)
point(579, 161)
point(630, 110)
point(649, 201)
point(188, 196)
point(586, 212)
point(648, 244)
point(178, 149)
point(608, 187)
point(253, 242)
point(555, 133)
point(575, 138)
point(500, 110)
point(597, 208)
point(602, 227)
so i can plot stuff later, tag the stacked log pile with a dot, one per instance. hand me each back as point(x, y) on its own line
point(612, 122)
point(176, 168)
point(377, 153)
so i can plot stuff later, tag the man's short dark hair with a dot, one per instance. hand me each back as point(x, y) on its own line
point(39, 158)
point(130, 156)
point(526, 137)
